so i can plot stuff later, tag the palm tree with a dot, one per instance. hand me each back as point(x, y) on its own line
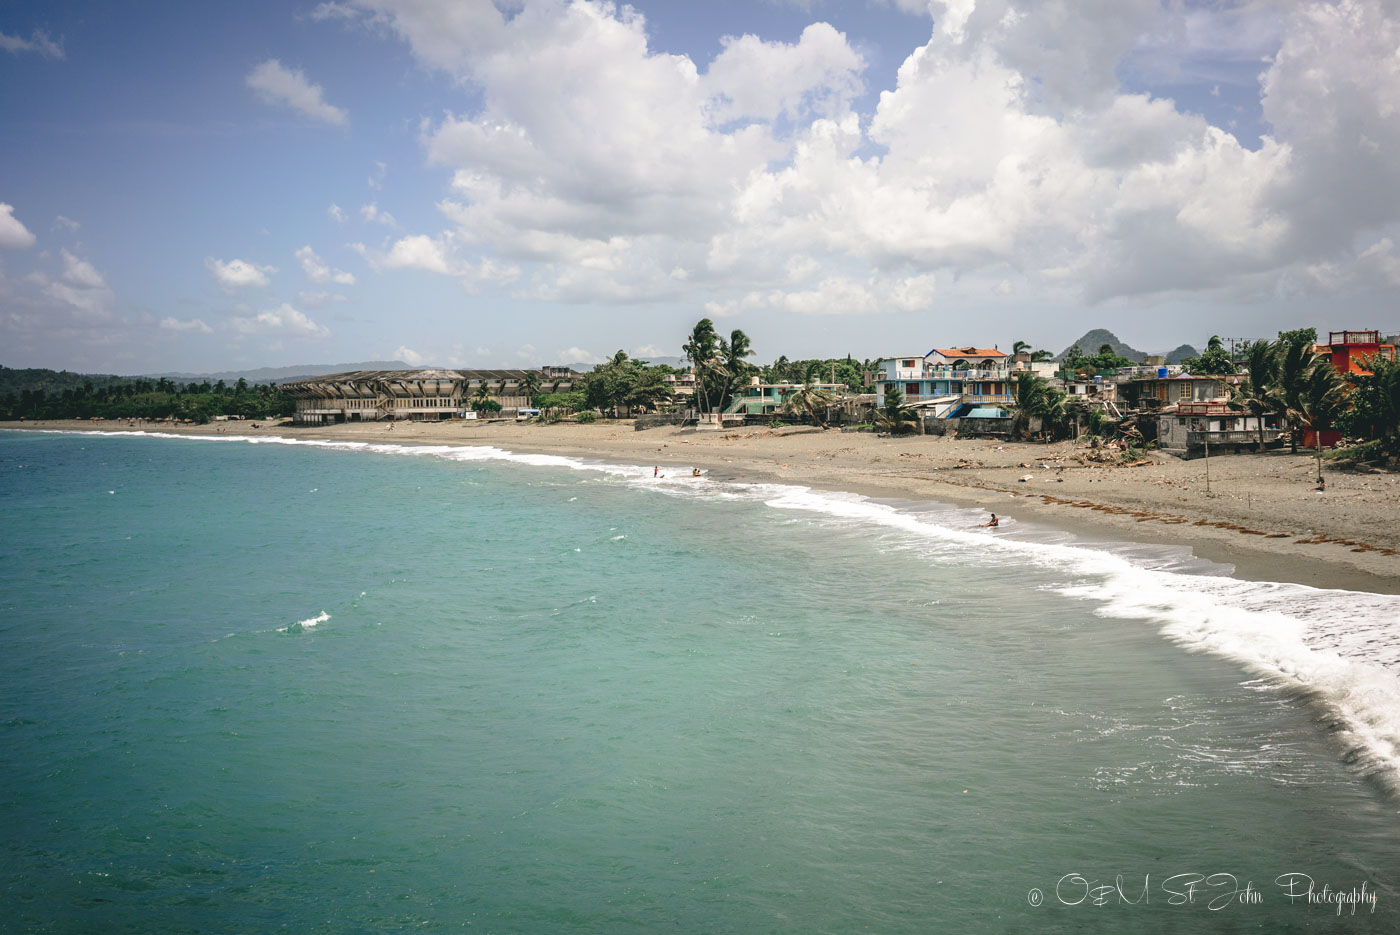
point(700, 351)
point(530, 385)
point(1042, 355)
point(1294, 366)
point(483, 392)
point(1020, 347)
point(734, 351)
point(1258, 394)
point(1031, 391)
point(1322, 398)
point(813, 401)
point(894, 417)
point(647, 391)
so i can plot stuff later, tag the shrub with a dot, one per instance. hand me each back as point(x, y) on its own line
point(586, 417)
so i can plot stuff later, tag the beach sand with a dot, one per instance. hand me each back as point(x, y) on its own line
point(1261, 514)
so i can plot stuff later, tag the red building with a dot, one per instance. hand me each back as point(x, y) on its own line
point(1348, 351)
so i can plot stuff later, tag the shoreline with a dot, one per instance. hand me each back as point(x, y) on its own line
point(1262, 516)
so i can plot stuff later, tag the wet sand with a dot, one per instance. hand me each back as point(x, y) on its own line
point(1261, 513)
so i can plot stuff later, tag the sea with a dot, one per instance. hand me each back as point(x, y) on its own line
point(259, 684)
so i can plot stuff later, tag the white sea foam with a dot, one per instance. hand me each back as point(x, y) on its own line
point(1338, 650)
point(306, 624)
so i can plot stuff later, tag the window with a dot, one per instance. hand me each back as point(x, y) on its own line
point(911, 389)
point(1184, 390)
point(907, 363)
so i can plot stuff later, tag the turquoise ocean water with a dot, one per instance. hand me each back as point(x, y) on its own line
point(248, 687)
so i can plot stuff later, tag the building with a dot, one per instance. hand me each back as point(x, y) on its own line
point(1348, 350)
point(948, 381)
point(767, 398)
point(1193, 428)
point(1159, 387)
point(419, 395)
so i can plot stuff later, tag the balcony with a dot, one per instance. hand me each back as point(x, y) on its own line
point(1246, 437)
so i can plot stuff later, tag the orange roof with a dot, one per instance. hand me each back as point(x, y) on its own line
point(968, 351)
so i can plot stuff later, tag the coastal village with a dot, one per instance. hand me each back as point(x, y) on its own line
point(1296, 390)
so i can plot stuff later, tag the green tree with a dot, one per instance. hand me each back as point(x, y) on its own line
point(1322, 398)
point(1259, 393)
point(701, 349)
point(737, 369)
point(894, 418)
point(483, 400)
point(1215, 359)
point(1294, 365)
point(1020, 347)
point(1304, 336)
point(812, 401)
point(1375, 401)
point(530, 385)
point(1032, 397)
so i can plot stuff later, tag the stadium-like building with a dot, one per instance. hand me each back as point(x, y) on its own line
point(421, 395)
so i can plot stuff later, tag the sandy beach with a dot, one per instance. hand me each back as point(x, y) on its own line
point(1261, 514)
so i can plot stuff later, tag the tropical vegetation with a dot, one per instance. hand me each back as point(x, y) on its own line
point(161, 398)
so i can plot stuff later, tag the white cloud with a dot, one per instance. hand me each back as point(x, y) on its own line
point(577, 355)
point(335, 213)
point(318, 271)
point(81, 288)
point(283, 320)
point(376, 178)
point(278, 85)
point(1007, 151)
point(371, 213)
point(38, 41)
point(754, 78)
point(238, 274)
point(409, 356)
point(63, 223)
point(13, 234)
point(647, 351)
point(192, 324)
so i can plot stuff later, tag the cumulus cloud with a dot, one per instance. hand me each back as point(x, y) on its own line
point(188, 325)
point(13, 234)
point(63, 223)
point(81, 288)
point(335, 213)
point(409, 356)
point(38, 41)
point(238, 274)
point(371, 213)
point(1007, 150)
point(577, 355)
point(278, 85)
point(283, 320)
point(317, 270)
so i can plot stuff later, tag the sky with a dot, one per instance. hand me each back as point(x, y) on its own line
point(468, 183)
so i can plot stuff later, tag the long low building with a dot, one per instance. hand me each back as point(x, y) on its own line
point(420, 395)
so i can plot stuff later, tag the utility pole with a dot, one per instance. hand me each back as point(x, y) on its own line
point(1206, 435)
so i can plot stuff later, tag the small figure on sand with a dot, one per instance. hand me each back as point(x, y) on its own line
point(1321, 486)
point(991, 522)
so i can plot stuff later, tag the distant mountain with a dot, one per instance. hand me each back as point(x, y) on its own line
point(285, 374)
point(1090, 343)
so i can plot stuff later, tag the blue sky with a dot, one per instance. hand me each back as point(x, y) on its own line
point(202, 187)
